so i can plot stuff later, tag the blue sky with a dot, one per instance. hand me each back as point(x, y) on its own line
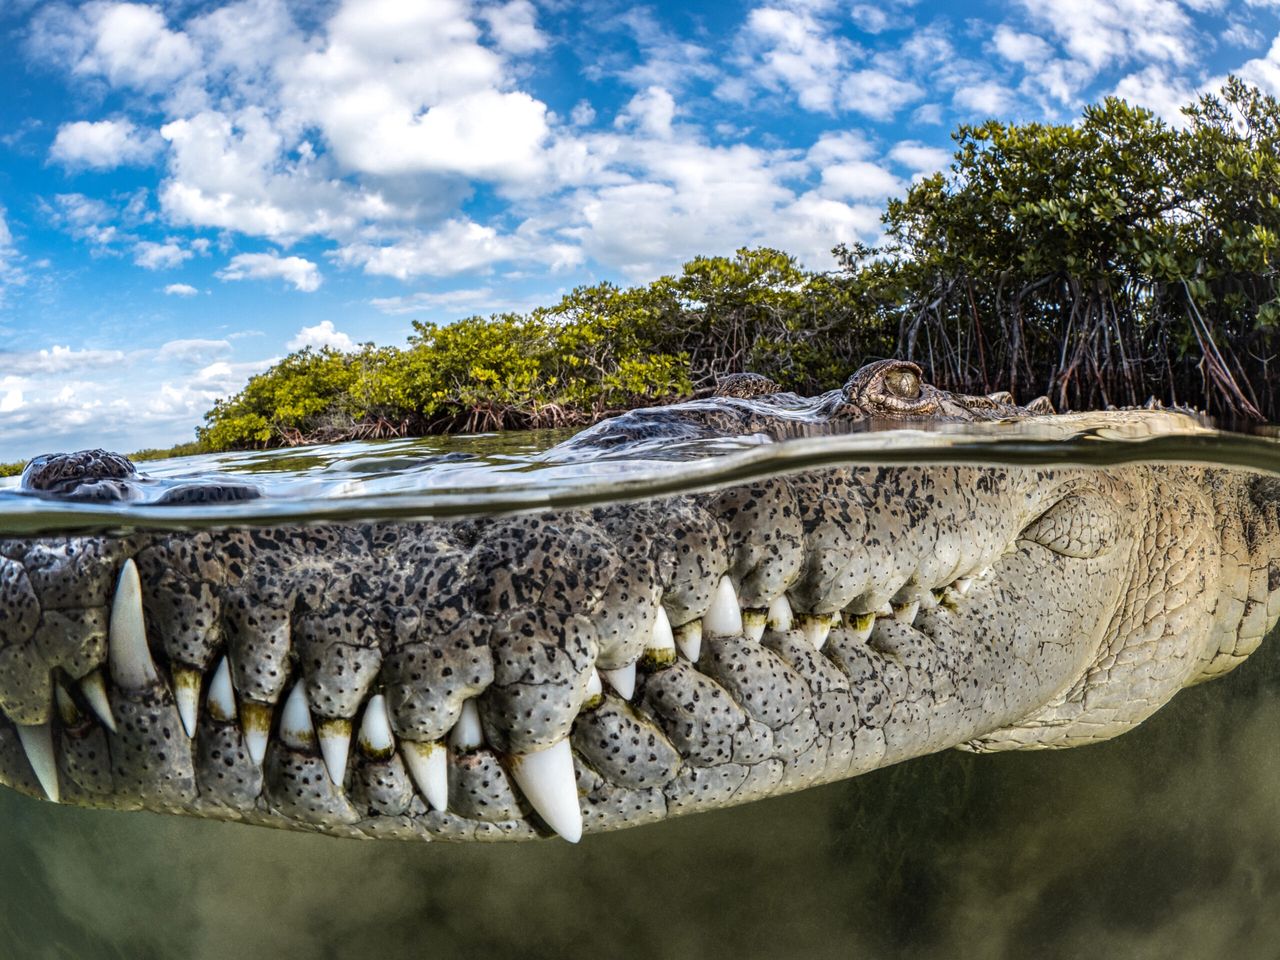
point(190, 190)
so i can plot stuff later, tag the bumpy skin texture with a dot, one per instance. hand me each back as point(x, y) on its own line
point(881, 613)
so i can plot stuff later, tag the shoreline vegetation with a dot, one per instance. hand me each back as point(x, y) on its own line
point(1102, 262)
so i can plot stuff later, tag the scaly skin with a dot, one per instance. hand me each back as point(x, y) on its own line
point(442, 680)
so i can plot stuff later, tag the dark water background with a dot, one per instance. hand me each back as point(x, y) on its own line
point(1162, 843)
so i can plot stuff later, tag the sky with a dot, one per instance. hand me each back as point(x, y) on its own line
point(189, 191)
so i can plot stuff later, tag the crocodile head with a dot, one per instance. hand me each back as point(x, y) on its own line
point(515, 676)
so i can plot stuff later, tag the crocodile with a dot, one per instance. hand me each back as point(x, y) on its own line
point(553, 672)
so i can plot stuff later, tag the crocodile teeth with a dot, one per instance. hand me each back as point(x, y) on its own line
point(622, 679)
point(907, 612)
point(963, 584)
point(662, 644)
point(547, 780)
point(334, 735)
point(816, 627)
point(428, 764)
point(467, 733)
point(94, 688)
point(186, 691)
point(255, 720)
point(67, 709)
point(689, 640)
point(779, 616)
point(595, 690)
point(37, 742)
point(222, 695)
point(376, 739)
point(296, 729)
point(753, 623)
point(129, 656)
point(724, 619)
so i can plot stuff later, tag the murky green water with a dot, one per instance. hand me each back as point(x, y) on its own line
point(1162, 843)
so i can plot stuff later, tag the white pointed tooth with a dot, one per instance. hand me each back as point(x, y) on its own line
point(724, 619)
point(467, 733)
point(428, 764)
point(255, 721)
point(334, 734)
point(928, 600)
point(186, 691)
point(816, 627)
point(779, 616)
point(37, 741)
point(907, 612)
point(963, 584)
point(376, 738)
point(94, 687)
point(296, 729)
point(662, 642)
point(222, 695)
point(547, 780)
point(128, 654)
point(595, 690)
point(689, 640)
point(860, 625)
point(623, 679)
point(753, 624)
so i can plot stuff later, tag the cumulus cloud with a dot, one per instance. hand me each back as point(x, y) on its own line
point(193, 351)
point(322, 334)
point(301, 273)
point(151, 255)
point(56, 359)
point(456, 246)
point(180, 290)
point(876, 94)
point(798, 52)
point(919, 157)
point(514, 26)
point(479, 300)
point(102, 145)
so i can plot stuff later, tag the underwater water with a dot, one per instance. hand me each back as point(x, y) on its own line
point(1164, 842)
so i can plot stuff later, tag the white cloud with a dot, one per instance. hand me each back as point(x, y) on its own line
point(869, 18)
point(1157, 89)
point(103, 145)
point(986, 97)
point(85, 218)
point(455, 247)
point(1102, 32)
point(56, 359)
point(920, 158)
point(480, 300)
point(514, 26)
point(10, 273)
point(1026, 49)
point(877, 94)
point(127, 44)
point(799, 53)
point(159, 256)
point(651, 110)
point(302, 273)
point(860, 180)
point(322, 334)
point(193, 351)
point(180, 290)
point(1264, 71)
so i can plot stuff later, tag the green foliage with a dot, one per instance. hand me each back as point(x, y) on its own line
point(1100, 262)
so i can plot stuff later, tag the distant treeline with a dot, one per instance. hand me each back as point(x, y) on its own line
point(1101, 262)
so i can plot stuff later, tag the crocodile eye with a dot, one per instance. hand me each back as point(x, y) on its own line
point(903, 382)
